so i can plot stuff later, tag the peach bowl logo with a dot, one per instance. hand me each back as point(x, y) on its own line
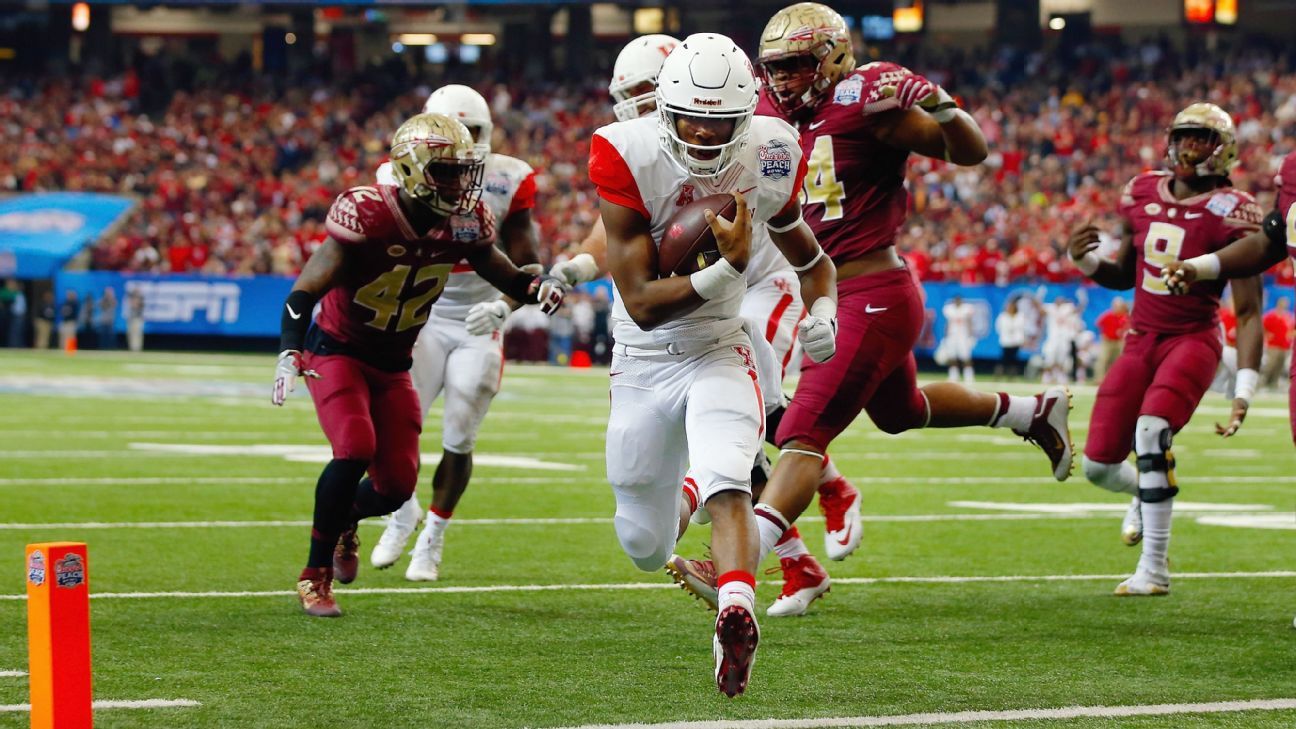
point(69, 572)
point(36, 569)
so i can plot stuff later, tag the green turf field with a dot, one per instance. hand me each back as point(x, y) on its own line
point(92, 449)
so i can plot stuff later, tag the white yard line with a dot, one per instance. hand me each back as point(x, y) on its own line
point(222, 480)
point(12, 674)
point(110, 704)
point(614, 586)
point(967, 717)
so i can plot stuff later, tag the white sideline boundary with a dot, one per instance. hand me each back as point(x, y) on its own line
point(12, 674)
point(615, 586)
point(116, 704)
point(966, 717)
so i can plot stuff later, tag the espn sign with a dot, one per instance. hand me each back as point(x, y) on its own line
point(181, 301)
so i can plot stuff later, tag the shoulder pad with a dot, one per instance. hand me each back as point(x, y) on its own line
point(357, 215)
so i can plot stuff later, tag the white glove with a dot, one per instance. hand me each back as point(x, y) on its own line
point(288, 369)
point(818, 330)
point(487, 317)
point(549, 293)
point(578, 270)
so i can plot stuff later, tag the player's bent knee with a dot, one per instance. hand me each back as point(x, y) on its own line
point(1152, 440)
point(646, 548)
point(1105, 475)
point(357, 441)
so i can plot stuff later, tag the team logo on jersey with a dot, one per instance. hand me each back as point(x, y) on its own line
point(69, 572)
point(497, 185)
point(848, 92)
point(775, 159)
point(1223, 204)
point(36, 569)
point(465, 229)
point(396, 251)
point(1152, 209)
point(746, 354)
point(685, 196)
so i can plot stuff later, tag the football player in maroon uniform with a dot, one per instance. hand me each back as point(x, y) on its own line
point(1252, 255)
point(857, 129)
point(389, 252)
point(1174, 343)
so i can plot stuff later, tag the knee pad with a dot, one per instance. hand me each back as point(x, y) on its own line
point(762, 469)
point(647, 549)
point(1152, 440)
point(1109, 476)
point(1155, 496)
point(772, 420)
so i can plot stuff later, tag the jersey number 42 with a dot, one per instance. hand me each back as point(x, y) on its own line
point(385, 296)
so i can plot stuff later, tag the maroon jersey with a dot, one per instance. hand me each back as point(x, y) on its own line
point(854, 197)
point(1286, 182)
point(1167, 229)
point(391, 275)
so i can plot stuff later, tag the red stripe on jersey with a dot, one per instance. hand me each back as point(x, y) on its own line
point(771, 327)
point(524, 198)
point(760, 401)
point(795, 198)
point(611, 175)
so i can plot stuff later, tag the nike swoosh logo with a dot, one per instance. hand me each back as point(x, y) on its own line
point(871, 309)
point(744, 192)
point(846, 539)
point(614, 374)
point(815, 125)
point(292, 313)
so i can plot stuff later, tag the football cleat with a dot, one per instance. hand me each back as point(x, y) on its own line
point(315, 591)
point(839, 502)
point(346, 556)
point(400, 525)
point(804, 581)
point(425, 560)
point(1132, 524)
point(1144, 583)
point(697, 577)
point(1049, 430)
point(734, 648)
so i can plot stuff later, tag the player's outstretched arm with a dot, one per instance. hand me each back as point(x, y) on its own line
point(1248, 295)
point(316, 278)
point(1119, 273)
point(590, 259)
point(632, 261)
point(818, 330)
point(516, 283)
point(1248, 256)
point(927, 120)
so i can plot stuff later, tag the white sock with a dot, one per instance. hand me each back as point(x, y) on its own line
point(436, 523)
point(1019, 413)
point(953, 373)
point(1156, 537)
point(737, 591)
point(829, 471)
point(969, 375)
point(791, 547)
point(770, 531)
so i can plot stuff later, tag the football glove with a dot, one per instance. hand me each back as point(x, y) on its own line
point(577, 270)
point(917, 91)
point(818, 331)
point(548, 292)
point(487, 317)
point(288, 369)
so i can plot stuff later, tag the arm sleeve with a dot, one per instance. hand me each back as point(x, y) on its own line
point(612, 177)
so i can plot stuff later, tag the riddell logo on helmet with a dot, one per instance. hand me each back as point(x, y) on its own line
point(698, 101)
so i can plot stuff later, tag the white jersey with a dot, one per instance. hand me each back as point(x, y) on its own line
point(1059, 321)
point(630, 168)
point(958, 320)
point(508, 186)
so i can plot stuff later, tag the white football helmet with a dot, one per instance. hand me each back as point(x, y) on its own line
point(637, 63)
point(708, 76)
point(463, 103)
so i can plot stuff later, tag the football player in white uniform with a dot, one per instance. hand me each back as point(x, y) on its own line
point(773, 308)
point(459, 354)
point(959, 339)
point(684, 385)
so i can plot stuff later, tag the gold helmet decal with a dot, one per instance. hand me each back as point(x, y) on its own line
point(804, 51)
point(1209, 118)
point(435, 161)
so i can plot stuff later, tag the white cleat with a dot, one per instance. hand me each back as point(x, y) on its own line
point(1144, 583)
point(425, 560)
point(400, 525)
point(1132, 524)
point(1049, 430)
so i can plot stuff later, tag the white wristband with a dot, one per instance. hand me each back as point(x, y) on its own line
point(1207, 268)
point(1247, 380)
point(824, 308)
point(1088, 263)
point(785, 228)
point(813, 262)
point(586, 267)
point(712, 281)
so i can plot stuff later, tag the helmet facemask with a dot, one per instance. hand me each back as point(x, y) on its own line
point(435, 161)
point(635, 98)
point(817, 36)
point(704, 161)
point(793, 80)
point(1202, 126)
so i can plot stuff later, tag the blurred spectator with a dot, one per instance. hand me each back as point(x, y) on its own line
point(1278, 341)
point(561, 332)
point(105, 321)
point(134, 320)
point(69, 320)
point(18, 315)
point(43, 321)
point(1112, 326)
point(1010, 325)
point(7, 319)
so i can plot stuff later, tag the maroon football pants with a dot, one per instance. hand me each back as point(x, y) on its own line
point(1164, 375)
point(879, 319)
point(369, 415)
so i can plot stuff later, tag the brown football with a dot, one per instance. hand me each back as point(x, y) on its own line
point(688, 245)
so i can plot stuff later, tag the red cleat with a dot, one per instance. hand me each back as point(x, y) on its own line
point(734, 648)
point(315, 591)
point(804, 581)
point(839, 502)
point(346, 556)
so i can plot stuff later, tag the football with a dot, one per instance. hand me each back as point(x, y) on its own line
point(688, 244)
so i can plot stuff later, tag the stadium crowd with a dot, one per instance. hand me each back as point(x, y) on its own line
point(235, 176)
